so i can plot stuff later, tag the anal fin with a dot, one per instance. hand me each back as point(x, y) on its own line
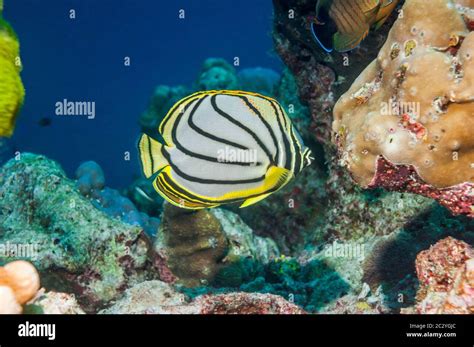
point(254, 200)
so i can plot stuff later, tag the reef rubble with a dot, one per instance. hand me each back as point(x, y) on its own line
point(446, 274)
point(76, 246)
point(160, 298)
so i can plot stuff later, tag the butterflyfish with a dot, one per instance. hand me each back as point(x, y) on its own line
point(341, 25)
point(221, 147)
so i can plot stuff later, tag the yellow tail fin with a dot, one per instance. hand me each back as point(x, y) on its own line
point(150, 155)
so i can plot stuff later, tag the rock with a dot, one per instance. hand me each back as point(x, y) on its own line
point(156, 297)
point(163, 99)
point(192, 244)
point(196, 245)
point(446, 274)
point(217, 74)
point(147, 298)
point(57, 303)
point(90, 176)
point(259, 80)
point(243, 243)
point(403, 124)
point(79, 247)
point(244, 303)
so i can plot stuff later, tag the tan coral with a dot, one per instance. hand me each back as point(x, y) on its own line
point(430, 83)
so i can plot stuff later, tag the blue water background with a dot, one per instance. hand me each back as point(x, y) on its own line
point(83, 60)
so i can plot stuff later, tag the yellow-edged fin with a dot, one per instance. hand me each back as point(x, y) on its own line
point(347, 42)
point(179, 196)
point(252, 201)
point(150, 155)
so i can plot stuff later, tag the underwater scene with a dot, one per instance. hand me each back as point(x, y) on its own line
point(237, 157)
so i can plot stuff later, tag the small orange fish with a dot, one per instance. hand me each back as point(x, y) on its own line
point(341, 25)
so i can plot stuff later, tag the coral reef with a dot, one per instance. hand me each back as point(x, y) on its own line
point(245, 303)
point(320, 79)
point(196, 245)
point(311, 286)
point(259, 80)
point(365, 302)
point(80, 249)
point(217, 74)
point(162, 100)
point(446, 274)
point(395, 132)
point(19, 282)
point(150, 297)
point(54, 303)
point(156, 297)
point(91, 183)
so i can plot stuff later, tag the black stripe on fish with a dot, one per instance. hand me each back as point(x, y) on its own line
point(243, 127)
point(151, 155)
point(283, 134)
point(170, 188)
point(205, 180)
point(198, 155)
point(204, 133)
point(172, 110)
point(171, 183)
point(270, 130)
point(297, 148)
point(291, 139)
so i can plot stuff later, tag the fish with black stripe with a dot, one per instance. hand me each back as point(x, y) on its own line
point(223, 147)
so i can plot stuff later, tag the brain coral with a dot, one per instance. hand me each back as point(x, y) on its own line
point(406, 123)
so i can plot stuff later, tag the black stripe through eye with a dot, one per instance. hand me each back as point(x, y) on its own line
point(243, 127)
